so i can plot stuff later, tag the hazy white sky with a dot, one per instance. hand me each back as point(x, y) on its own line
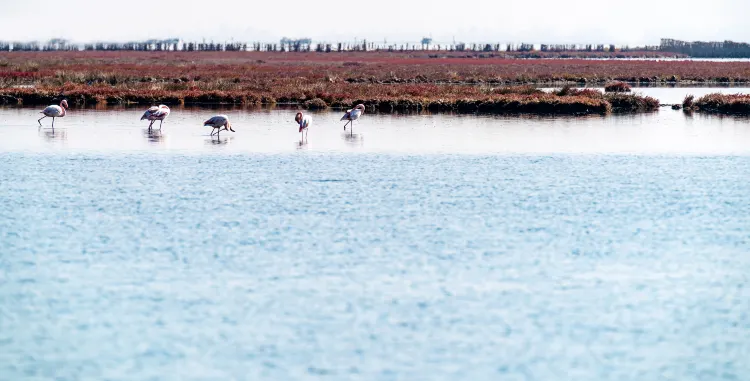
point(535, 21)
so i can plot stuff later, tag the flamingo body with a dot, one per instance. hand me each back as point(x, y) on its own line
point(304, 122)
point(159, 112)
point(353, 114)
point(217, 122)
point(155, 113)
point(54, 112)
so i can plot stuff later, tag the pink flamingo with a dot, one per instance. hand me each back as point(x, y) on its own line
point(304, 122)
point(155, 113)
point(217, 122)
point(54, 112)
point(352, 115)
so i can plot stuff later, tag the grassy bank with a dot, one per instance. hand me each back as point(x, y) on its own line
point(384, 98)
point(253, 70)
point(719, 103)
point(383, 81)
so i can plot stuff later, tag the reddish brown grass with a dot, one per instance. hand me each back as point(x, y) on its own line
point(689, 102)
point(269, 68)
point(617, 87)
point(721, 103)
point(386, 80)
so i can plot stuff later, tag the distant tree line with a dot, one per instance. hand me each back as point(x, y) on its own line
point(693, 49)
point(303, 45)
point(706, 49)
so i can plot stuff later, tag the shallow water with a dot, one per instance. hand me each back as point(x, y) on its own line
point(273, 131)
point(675, 95)
point(460, 256)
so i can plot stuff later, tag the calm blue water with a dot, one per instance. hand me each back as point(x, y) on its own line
point(345, 266)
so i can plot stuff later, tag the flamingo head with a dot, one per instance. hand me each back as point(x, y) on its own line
point(228, 126)
point(360, 107)
point(298, 117)
point(64, 103)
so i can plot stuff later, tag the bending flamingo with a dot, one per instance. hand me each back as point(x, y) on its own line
point(217, 123)
point(353, 115)
point(54, 112)
point(304, 122)
point(155, 113)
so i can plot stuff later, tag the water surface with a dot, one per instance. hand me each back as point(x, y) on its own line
point(112, 129)
point(431, 247)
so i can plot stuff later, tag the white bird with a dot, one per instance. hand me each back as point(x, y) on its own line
point(54, 112)
point(304, 122)
point(155, 113)
point(217, 122)
point(353, 114)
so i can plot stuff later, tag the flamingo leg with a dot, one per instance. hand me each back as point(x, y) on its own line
point(53, 122)
point(160, 123)
point(40, 120)
point(150, 124)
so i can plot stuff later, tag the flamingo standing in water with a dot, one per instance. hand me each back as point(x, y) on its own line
point(54, 112)
point(352, 115)
point(217, 122)
point(304, 122)
point(155, 113)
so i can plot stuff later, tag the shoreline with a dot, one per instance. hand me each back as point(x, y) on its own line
point(523, 100)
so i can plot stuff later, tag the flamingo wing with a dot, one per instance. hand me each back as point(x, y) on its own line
point(161, 112)
point(150, 112)
point(52, 111)
point(216, 121)
point(347, 116)
point(305, 122)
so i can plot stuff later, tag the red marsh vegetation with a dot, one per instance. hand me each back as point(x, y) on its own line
point(335, 79)
point(617, 87)
point(719, 103)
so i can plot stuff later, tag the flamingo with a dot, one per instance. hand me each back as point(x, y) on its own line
point(54, 112)
point(155, 113)
point(304, 122)
point(353, 114)
point(217, 122)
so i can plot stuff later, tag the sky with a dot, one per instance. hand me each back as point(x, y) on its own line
point(633, 22)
